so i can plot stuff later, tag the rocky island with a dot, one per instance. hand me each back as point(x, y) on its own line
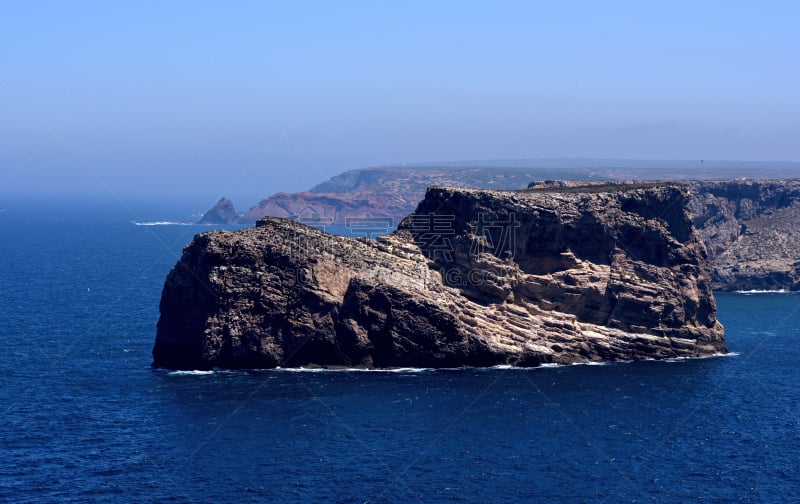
point(471, 278)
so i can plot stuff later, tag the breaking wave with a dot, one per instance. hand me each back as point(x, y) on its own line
point(759, 291)
point(164, 223)
point(190, 373)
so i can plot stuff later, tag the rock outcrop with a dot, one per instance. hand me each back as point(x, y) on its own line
point(751, 229)
point(473, 278)
point(223, 212)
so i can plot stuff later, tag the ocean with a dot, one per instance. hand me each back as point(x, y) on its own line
point(83, 417)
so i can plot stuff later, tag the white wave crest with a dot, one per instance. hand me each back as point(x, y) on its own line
point(757, 291)
point(195, 372)
point(351, 370)
point(690, 358)
point(164, 223)
point(414, 370)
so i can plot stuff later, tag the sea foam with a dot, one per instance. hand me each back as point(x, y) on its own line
point(759, 291)
point(190, 373)
point(164, 223)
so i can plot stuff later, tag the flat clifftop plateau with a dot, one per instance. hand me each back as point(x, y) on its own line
point(472, 278)
point(751, 229)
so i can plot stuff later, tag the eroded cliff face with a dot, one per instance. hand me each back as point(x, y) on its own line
point(472, 278)
point(752, 231)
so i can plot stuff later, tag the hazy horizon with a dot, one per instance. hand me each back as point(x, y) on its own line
point(198, 101)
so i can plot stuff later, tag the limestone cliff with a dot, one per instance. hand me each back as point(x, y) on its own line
point(473, 278)
point(752, 232)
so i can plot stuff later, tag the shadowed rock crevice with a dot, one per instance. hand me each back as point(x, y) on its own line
point(472, 278)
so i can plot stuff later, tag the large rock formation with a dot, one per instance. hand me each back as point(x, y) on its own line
point(223, 212)
point(751, 229)
point(473, 278)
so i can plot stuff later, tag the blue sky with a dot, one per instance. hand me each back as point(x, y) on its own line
point(201, 99)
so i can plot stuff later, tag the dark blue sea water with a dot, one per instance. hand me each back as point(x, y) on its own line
point(83, 418)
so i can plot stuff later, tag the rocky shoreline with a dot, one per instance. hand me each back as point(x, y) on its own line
point(472, 278)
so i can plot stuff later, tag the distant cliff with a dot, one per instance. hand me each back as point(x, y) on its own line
point(395, 191)
point(472, 278)
point(380, 192)
point(326, 208)
point(751, 229)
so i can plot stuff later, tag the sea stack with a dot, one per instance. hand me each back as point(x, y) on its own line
point(223, 212)
point(560, 275)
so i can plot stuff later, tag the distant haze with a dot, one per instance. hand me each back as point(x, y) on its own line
point(194, 101)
